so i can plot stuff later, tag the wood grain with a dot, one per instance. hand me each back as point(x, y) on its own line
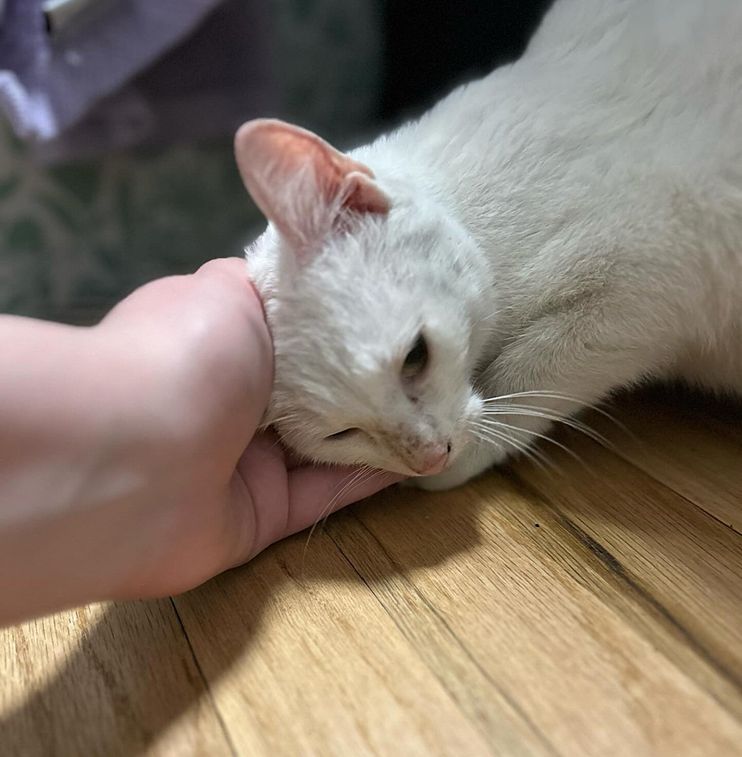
point(596, 611)
point(105, 680)
point(315, 664)
point(700, 459)
point(548, 624)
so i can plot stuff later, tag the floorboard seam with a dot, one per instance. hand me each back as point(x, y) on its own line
point(614, 566)
point(207, 686)
point(685, 497)
point(516, 708)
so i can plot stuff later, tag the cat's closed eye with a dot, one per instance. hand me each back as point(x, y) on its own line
point(344, 434)
point(417, 358)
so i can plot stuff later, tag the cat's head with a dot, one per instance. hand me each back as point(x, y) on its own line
point(370, 298)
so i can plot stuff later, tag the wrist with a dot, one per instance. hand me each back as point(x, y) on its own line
point(66, 469)
point(108, 431)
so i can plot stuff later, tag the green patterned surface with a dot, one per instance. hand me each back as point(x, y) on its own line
point(75, 238)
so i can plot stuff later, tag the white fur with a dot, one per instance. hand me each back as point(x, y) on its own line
point(571, 223)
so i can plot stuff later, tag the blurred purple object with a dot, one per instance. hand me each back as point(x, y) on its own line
point(136, 71)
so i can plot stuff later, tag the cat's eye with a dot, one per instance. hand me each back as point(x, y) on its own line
point(417, 358)
point(344, 434)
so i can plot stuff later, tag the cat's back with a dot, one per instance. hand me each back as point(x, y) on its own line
point(621, 121)
point(644, 30)
point(600, 71)
point(652, 91)
point(618, 90)
point(682, 55)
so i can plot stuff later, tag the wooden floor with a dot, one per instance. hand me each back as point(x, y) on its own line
point(592, 611)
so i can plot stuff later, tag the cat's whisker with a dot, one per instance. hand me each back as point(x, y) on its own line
point(277, 442)
point(489, 434)
point(539, 393)
point(352, 480)
point(284, 437)
point(363, 476)
point(536, 456)
point(545, 437)
point(537, 412)
point(362, 480)
point(531, 454)
point(338, 493)
point(285, 419)
point(548, 394)
point(293, 416)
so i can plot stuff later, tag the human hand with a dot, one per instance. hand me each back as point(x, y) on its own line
point(215, 495)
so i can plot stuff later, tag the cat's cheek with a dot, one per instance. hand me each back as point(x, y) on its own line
point(465, 433)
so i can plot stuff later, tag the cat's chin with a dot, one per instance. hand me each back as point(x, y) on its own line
point(440, 482)
point(473, 461)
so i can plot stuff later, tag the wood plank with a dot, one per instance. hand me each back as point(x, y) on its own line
point(692, 445)
point(500, 718)
point(590, 663)
point(676, 554)
point(594, 612)
point(105, 680)
point(302, 659)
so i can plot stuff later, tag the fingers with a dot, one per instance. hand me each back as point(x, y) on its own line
point(231, 307)
point(263, 470)
point(315, 492)
point(204, 347)
point(234, 267)
point(229, 275)
point(226, 281)
point(285, 502)
point(282, 501)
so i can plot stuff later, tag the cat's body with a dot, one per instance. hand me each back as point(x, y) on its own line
point(575, 217)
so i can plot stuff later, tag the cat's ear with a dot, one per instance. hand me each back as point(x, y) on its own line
point(301, 183)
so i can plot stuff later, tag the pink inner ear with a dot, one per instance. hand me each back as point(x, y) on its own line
point(273, 158)
point(362, 195)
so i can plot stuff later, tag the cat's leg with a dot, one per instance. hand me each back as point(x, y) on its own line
point(557, 366)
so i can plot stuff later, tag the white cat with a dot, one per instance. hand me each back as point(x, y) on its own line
point(566, 226)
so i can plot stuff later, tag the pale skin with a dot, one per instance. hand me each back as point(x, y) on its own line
point(129, 461)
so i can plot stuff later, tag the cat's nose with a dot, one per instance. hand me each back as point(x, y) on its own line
point(432, 460)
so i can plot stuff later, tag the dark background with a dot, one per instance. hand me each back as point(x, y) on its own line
point(433, 45)
point(95, 225)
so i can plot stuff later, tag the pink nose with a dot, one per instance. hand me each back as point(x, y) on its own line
point(432, 461)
